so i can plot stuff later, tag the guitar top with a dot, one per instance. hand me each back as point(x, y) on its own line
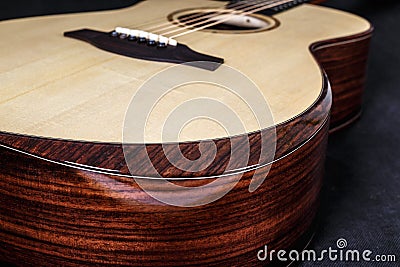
point(54, 86)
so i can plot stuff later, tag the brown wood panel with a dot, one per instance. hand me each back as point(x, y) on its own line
point(63, 216)
point(345, 62)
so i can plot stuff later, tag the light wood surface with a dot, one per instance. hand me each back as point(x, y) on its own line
point(56, 87)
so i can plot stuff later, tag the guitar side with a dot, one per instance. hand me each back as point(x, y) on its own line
point(345, 61)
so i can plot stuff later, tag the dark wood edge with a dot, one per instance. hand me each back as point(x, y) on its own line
point(290, 135)
point(63, 216)
point(345, 62)
point(346, 124)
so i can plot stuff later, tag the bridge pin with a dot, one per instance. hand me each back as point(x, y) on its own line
point(151, 42)
point(143, 36)
point(161, 45)
point(114, 34)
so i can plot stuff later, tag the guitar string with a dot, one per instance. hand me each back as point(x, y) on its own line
point(153, 27)
point(262, 5)
point(192, 17)
point(195, 17)
point(277, 3)
point(193, 28)
point(199, 26)
point(212, 17)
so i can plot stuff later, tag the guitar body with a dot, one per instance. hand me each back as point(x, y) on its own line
point(67, 195)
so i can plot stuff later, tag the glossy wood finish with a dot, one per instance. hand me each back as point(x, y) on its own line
point(345, 63)
point(110, 157)
point(54, 213)
point(64, 216)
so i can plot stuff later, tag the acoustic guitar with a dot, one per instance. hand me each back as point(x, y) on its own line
point(171, 133)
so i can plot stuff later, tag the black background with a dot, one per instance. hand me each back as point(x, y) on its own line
point(361, 199)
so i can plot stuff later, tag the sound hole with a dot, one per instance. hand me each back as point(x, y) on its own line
point(222, 21)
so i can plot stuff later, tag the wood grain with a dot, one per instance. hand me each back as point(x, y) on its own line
point(345, 63)
point(58, 213)
point(75, 86)
point(64, 216)
point(111, 157)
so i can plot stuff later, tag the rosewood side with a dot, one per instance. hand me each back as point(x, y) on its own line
point(345, 62)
